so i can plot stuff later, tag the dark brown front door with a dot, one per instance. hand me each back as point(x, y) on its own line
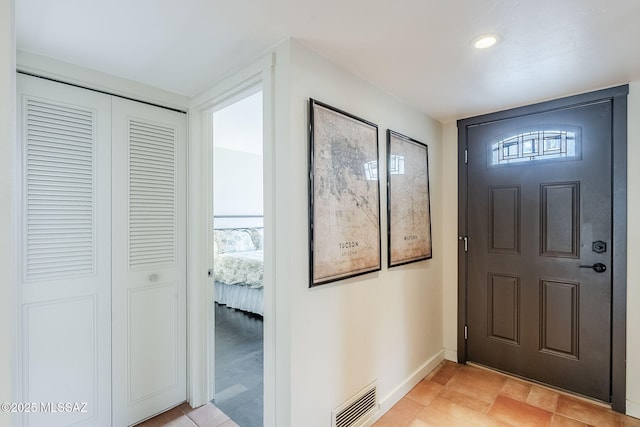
point(539, 246)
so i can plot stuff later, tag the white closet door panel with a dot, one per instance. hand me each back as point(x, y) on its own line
point(61, 356)
point(149, 260)
point(153, 331)
point(64, 348)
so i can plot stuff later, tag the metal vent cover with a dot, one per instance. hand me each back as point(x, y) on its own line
point(358, 409)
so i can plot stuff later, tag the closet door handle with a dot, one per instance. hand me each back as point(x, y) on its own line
point(153, 277)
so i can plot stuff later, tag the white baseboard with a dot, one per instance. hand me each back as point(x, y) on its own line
point(451, 355)
point(405, 387)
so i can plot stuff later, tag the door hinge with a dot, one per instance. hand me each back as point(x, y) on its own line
point(210, 273)
point(466, 332)
point(465, 240)
point(466, 156)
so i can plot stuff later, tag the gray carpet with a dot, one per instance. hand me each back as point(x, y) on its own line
point(239, 366)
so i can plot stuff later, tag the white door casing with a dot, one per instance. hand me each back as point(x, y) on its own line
point(64, 313)
point(149, 260)
point(201, 334)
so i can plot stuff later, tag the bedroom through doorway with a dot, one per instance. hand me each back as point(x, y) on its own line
point(238, 257)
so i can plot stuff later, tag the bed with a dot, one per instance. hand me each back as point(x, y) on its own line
point(238, 267)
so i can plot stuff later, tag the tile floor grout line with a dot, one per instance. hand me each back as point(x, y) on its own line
point(544, 386)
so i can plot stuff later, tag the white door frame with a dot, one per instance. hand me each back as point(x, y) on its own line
point(200, 225)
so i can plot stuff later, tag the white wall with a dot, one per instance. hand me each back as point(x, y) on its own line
point(7, 154)
point(633, 252)
point(237, 182)
point(450, 142)
point(385, 326)
point(238, 161)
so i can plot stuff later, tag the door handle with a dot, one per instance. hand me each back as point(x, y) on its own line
point(597, 267)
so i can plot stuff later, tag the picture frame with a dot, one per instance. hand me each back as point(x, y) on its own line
point(344, 195)
point(408, 200)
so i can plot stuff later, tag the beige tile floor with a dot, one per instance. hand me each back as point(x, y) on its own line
point(455, 395)
point(464, 395)
point(185, 416)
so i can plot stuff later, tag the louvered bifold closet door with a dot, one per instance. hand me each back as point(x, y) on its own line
point(149, 260)
point(64, 290)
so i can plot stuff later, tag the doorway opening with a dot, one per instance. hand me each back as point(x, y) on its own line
point(238, 257)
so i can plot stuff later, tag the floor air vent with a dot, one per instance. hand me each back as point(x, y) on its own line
point(357, 409)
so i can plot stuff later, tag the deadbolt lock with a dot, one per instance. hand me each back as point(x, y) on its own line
point(599, 247)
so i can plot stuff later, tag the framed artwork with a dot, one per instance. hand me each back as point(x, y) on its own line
point(408, 209)
point(344, 195)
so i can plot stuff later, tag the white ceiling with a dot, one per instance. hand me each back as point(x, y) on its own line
point(418, 50)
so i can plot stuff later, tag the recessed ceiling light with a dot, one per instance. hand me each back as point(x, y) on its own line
point(484, 41)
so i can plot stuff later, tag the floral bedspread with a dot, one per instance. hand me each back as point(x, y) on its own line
point(240, 268)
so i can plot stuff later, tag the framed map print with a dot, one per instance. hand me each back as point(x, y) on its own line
point(408, 210)
point(344, 195)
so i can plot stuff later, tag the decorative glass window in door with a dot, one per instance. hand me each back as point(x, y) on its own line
point(535, 145)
